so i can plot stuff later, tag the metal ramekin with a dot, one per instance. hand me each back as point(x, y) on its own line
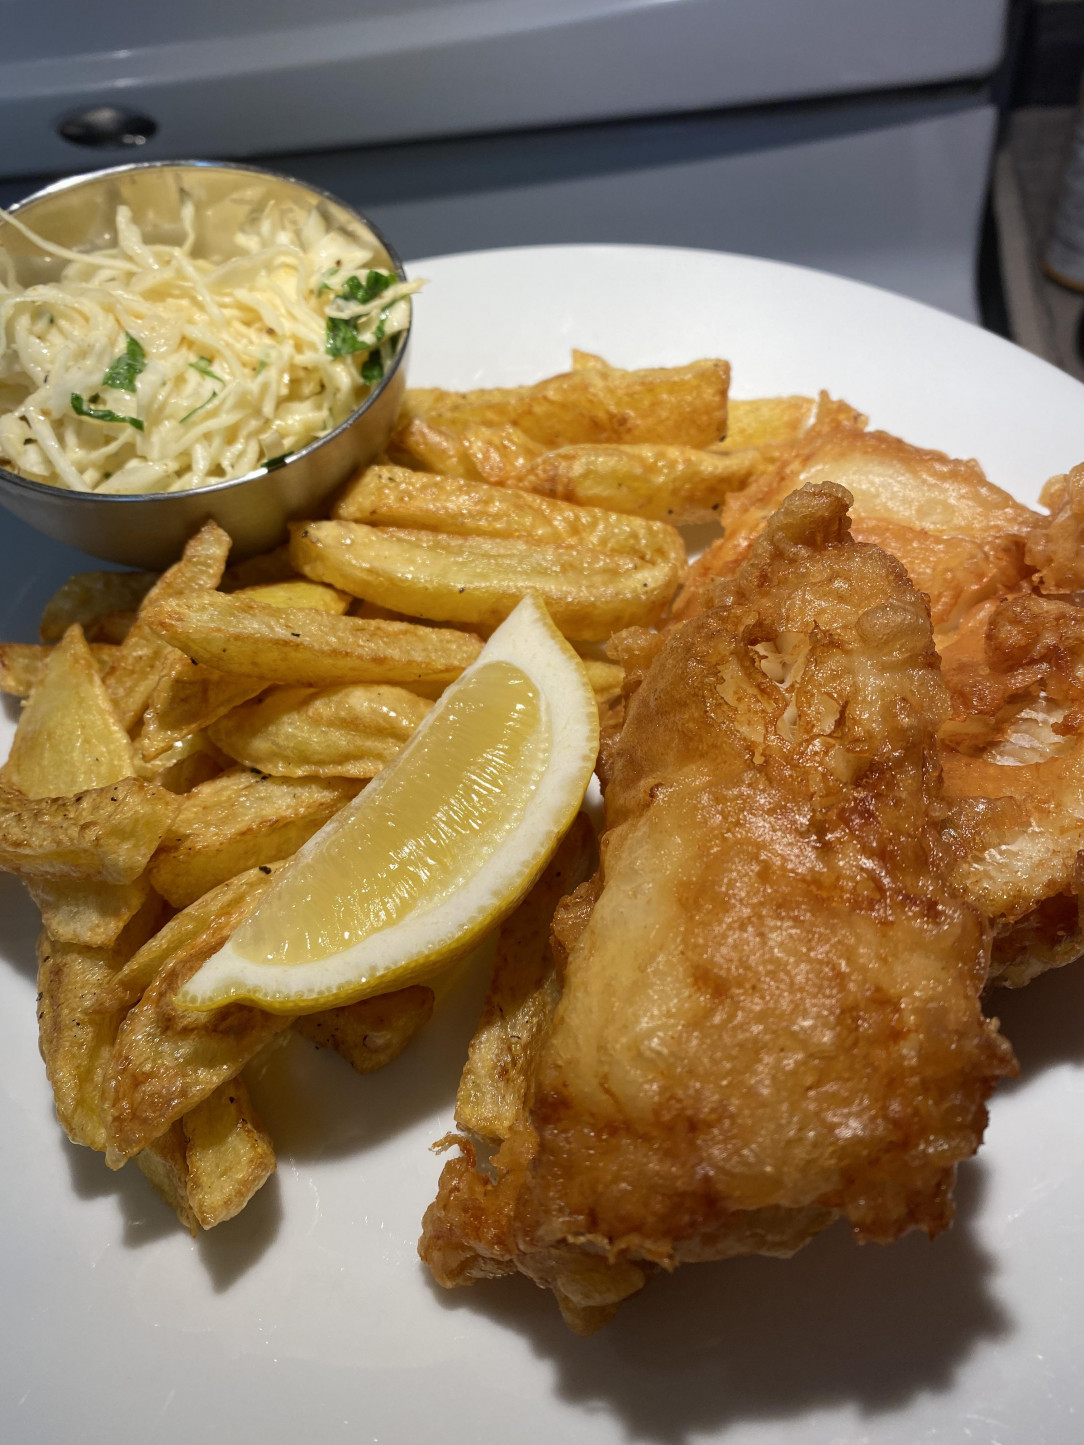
point(150, 530)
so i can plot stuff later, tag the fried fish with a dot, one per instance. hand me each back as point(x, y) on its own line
point(766, 1013)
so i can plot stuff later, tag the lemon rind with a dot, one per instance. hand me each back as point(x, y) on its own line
point(414, 948)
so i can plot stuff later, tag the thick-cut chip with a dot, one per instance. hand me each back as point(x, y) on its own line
point(112, 628)
point(228, 1153)
point(88, 597)
point(76, 1026)
point(238, 821)
point(266, 569)
point(166, 1059)
point(478, 581)
point(211, 918)
point(680, 404)
point(522, 996)
point(188, 698)
point(332, 732)
point(606, 679)
point(105, 835)
point(647, 479)
point(458, 448)
point(767, 420)
point(142, 655)
point(208, 1165)
point(74, 1035)
point(300, 647)
point(299, 592)
point(165, 1163)
point(23, 664)
point(182, 767)
point(397, 497)
point(91, 914)
point(68, 738)
point(191, 696)
point(373, 1032)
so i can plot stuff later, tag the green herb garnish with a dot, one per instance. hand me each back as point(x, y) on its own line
point(273, 463)
point(342, 335)
point(362, 292)
point(261, 365)
point(95, 413)
point(342, 338)
point(189, 415)
point(203, 366)
point(123, 372)
point(372, 368)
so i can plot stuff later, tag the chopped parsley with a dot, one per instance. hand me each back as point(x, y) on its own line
point(203, 365)
point(372, 368)
point(189, 415)
point(362, 292)
point(342, 335)
point(96, 413)
point(273, 463)
point(123, 372)
point(342, 338)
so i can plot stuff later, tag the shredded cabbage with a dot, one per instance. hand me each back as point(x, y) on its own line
point(145, 368)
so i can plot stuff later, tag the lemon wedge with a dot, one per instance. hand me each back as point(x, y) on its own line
point(437, 849)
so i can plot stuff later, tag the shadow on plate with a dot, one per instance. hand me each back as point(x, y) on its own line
point(22, 924)
point(1044, 1022)
point(315, 1106)
point(227, 1251)
point(761, 1340)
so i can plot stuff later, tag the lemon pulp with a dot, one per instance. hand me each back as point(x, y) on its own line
point(436, 819)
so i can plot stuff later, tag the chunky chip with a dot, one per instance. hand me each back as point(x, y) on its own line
point(77, 1028)
point(211, 918)
point(188, 698)
point(371, 1033)
point(228, 1153)
point(88, 597)
point(164, 1161)
point(105, 835)
point(648, 479)
point(167, 1059)
point(300, 647)
point(606, 678)
point(191, 695)
point(389, 496)
point(238, 821)
point(478, 580)
point(23, 664)
point(332, 732)
point(460, 448)
point(91, 914)
point(299, 592)
point(142, 655)
point(68, 737)
point(522, 995)
point(681, 404)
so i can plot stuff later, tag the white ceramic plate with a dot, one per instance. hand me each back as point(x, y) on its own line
point(309, 1318)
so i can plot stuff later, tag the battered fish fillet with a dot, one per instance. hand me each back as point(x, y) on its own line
point(961, 538)
point(769, 999)
point(1013, 759)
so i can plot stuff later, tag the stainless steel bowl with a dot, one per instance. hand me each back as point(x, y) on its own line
point(150, 530)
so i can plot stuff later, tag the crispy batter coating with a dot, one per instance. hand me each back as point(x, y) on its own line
point(770, 1016)
point(1056, 547)
point(961, 538)
point(1013, 758)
